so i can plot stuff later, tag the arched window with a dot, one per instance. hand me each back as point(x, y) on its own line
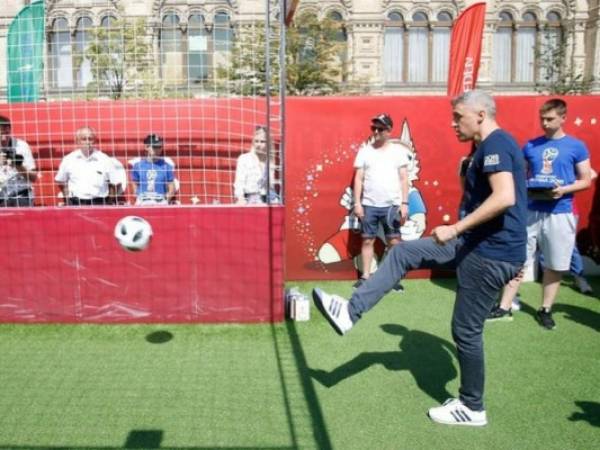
point(341, 40)
point(82, 41)
point(550, 58)
point(525, 49)
point(198, 49)
point(502, 59)
point(61, 72)
point(171, 44)
point(222, 32)
point(440, 50)
point(108, 21)
point(418, 48)
point(393, 48)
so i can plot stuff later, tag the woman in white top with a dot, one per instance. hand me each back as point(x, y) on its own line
point(251, 184)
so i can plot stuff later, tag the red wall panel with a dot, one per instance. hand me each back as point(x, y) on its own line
point(322, 138)
point(204, 264)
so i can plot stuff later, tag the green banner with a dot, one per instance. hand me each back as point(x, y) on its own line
point(25, 53)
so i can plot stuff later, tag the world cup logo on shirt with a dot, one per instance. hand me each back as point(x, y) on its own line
point(151, 176)
point(549, 156)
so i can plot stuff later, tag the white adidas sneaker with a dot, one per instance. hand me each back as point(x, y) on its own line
point(335, 310)
point(454, 412)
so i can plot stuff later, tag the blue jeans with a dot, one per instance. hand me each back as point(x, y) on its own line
point(479, 280)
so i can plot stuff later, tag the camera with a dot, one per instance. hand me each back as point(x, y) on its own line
point(12, 157)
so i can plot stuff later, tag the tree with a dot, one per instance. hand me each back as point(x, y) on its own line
point(311, 53)
point(120, 56)
point(558, 73)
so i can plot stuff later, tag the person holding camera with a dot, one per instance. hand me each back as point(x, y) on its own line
point(17, 168)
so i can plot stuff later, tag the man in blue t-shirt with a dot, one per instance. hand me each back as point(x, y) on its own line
point(153, 175)
point(559, 166)
point(488, 243)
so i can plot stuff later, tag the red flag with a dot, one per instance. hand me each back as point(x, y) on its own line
point(465, 49)
point(290, 9)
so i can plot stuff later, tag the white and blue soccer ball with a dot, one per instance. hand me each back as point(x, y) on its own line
point(133, 233)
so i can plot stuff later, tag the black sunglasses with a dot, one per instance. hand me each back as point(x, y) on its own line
point(378, 129)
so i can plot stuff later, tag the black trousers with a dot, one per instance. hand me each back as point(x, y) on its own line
point(76, 201)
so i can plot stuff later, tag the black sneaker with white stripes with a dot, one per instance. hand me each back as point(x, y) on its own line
point(454, 412)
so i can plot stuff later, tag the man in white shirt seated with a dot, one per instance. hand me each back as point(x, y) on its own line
point(17, 168)
point(87, 176)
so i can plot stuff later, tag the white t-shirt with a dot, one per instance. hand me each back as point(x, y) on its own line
point(381, 184)
point(89, 177)
point(22, 148)
point(250, 175)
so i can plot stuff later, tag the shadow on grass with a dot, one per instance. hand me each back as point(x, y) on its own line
point(444, 279)
point(580, 315)
point(590, 413)
point(428, 358)
point(159, 337)
point(297, 419)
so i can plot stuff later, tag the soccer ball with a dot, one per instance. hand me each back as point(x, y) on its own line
point(133, 233)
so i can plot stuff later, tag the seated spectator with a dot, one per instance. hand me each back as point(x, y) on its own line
point(251, 184)
point(17, 168)
point(87, 176)
point(153, 176)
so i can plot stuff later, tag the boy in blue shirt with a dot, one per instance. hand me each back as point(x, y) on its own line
point(152, 176)
point(562, 164)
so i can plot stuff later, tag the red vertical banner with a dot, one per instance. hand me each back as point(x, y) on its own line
point(290, 9)
point(465, 49)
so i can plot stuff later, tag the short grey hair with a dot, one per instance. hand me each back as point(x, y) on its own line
point(478, 100)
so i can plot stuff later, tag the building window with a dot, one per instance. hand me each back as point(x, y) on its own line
point(440, 48)
point(341, 43)
point(222, 32)
point(550, 58)
point(418, 48)
point(503, 48)
point(193, 55)
point(61, 62)
point(198, 38)
point(171, 46)
point(393, 48)
point(83, 38)
point(519, 45)
point(525, 49)
point(417, 52)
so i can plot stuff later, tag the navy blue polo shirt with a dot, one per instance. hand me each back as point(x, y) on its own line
point(503, 238)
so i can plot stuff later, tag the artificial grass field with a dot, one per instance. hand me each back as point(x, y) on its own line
point(299, 385)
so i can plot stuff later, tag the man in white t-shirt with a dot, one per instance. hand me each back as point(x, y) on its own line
point(17, 168)
point(380, 189)
point(87, 176)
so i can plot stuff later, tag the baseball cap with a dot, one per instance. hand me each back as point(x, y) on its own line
point(4, 120)
point(153, 140)
point(384, 119)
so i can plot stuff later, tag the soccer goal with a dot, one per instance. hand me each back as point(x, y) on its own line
point(171, 112)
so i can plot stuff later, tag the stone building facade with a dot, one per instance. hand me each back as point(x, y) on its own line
point(391, 46)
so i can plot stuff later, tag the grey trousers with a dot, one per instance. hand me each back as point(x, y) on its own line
point(479, 280)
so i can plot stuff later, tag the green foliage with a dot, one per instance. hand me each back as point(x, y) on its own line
point(312, 59)
point(559, 76)
point(120, 57)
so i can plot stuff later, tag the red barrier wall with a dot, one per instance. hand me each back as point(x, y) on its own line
point(322, 138)
point(204, 264)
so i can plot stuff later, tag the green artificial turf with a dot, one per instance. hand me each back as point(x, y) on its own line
point(299, 385)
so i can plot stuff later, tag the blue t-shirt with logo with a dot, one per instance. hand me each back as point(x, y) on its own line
point(504, 237)
point(553, 161)
point(152, 177)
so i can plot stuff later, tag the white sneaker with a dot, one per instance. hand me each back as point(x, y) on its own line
point(335, 310)
point(516, 303)
point(453, 412)
point(583, 285)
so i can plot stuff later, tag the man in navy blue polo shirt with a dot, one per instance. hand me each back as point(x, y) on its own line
point(486, 247)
